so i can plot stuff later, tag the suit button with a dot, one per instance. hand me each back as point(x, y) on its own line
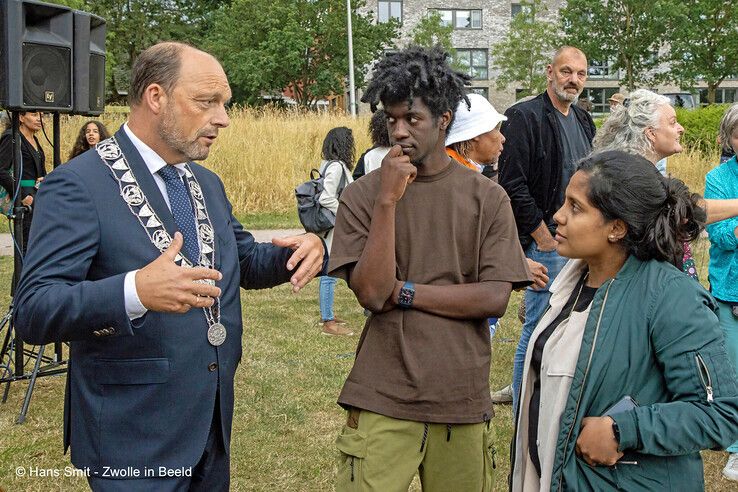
point(97, 333)
point(212, 366)
point(111, 331)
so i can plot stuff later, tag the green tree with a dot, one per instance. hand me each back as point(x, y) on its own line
point(704, 43)
point(302, 44)
point(629, 33)
point(134, 25)
point(521, 57)
point(431, 31)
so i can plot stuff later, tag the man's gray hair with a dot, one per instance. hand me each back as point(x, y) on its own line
point(158, 64)
point(565, 48)
point(625, 128)
point(728, 124)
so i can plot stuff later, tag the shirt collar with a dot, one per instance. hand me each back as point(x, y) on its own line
point(153, 160)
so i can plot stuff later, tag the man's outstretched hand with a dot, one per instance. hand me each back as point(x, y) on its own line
point(308, 254)
point(164, 286)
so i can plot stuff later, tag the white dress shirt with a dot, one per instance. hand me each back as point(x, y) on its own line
point(154, 163)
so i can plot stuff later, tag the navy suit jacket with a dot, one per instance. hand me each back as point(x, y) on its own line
point(139, 393)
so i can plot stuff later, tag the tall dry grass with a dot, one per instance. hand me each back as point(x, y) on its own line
point(261, 156)
point(691, 166)
point(265, 153)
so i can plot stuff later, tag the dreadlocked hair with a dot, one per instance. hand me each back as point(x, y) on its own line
point(418, 72)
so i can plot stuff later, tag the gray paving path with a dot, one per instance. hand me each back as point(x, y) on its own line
point(262, 236)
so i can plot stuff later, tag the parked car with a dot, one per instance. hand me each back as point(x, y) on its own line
point(681, 99)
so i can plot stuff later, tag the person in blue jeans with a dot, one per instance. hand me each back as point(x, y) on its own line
point(722, 183)
point(545, 138)
point(338, 159)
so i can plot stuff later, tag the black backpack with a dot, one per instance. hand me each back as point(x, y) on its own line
point(314, 216)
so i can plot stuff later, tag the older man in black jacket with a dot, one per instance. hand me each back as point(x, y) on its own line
point(545, 137)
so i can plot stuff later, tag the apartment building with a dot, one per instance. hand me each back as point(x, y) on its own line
point(479, 24)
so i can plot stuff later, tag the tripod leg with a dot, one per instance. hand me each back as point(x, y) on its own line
point(31, 384)
point(8, 336)
point(8, 371)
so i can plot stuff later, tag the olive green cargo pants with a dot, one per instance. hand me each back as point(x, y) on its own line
point(382, 454)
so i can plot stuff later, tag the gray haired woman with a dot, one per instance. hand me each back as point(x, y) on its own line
point(648, 127)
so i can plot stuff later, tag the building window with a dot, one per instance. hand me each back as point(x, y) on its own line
point(722, 96)
point(473, 61)
point(482, 91)
point(517, 8)
point(599, 97)
point(389, 10)
point(601, 69)
point(461, 19)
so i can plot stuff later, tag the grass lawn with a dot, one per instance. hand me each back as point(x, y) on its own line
point(285, 418)
point(273, 220)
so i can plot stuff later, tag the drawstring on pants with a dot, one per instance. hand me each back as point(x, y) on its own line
point(425, 436)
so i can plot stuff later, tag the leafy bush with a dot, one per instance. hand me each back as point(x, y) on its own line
point(701, 126)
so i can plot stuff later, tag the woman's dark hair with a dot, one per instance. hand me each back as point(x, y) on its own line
point(417, 72)
point(81, 145)
point(660, 212)
point(339, 146)
point(378, 129)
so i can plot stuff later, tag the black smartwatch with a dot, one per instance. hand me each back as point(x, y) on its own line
point(616, 431)
point(407, 294)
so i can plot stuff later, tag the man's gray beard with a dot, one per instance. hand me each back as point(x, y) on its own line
point(172, 136)
point(565, 96)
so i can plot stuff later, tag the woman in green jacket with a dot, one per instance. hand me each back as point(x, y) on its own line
point(626, 375)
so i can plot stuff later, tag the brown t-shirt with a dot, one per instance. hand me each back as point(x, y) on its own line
point(451, 228)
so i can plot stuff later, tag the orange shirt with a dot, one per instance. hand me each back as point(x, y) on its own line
point(461, 159)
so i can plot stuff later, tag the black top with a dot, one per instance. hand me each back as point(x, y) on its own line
point(584, 300)
point(359, 169)
point(530, 163)
point(33, 163)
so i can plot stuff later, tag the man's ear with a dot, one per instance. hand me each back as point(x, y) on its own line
point(155, 98)
point(444, 120)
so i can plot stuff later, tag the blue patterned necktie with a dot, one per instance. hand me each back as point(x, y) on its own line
point(179, 201)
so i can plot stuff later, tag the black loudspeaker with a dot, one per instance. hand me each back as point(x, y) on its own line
point(89, 64)
point(36, 56)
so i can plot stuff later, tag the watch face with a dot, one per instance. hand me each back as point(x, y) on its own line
point(405, 299)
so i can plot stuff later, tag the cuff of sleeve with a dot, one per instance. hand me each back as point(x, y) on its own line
point(134, 308)
point(533, 225)
point(730, 238)
point(628, 428)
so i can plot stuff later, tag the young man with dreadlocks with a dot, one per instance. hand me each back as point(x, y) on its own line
point(430, 248)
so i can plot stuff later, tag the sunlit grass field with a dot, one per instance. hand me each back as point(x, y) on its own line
point(261, 156)
point(285, 418)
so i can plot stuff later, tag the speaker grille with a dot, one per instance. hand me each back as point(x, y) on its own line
point(47, 74)
point(97, 82)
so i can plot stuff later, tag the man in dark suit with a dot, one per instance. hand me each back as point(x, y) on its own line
point(139, 267)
